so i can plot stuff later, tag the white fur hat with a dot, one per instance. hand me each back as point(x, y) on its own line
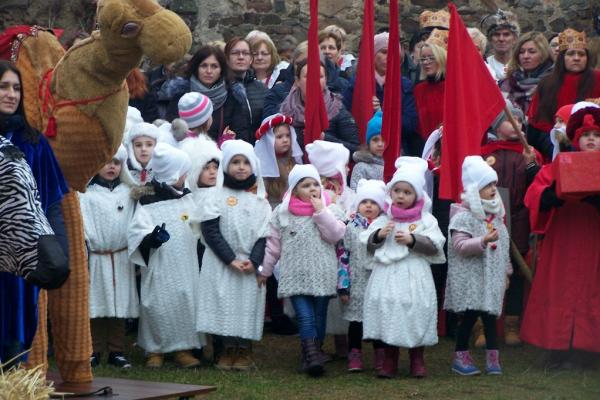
point(201, 150)
point(370, 189)
point(137, 130)
point(121, 154)
point(232, 148)
point(265, 145)
point(411, 170)
point(134, 116)
point(297, 173)
point(329, 158)
point(169, 163)
point(476, 173)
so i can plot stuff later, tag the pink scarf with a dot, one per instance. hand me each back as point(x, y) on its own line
point(305, 208)
point(407, 214)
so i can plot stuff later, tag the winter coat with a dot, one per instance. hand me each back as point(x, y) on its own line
point(243, 112)
point(368, 166)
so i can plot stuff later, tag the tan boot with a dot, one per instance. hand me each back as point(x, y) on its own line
point(478, 335)
point(226, 359)
point(154, 360)
point(185, 359)
point(511, 330)
point(244, 360)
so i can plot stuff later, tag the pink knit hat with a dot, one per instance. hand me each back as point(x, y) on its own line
point(195, 109)
point(381, 42)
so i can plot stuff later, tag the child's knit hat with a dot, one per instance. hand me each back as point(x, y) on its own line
point(329, 158)
point(169, 163)
point(195, 109)
point(201, 151)
point(232, 148)
point(137, 130)
point(411, 170)
point(134, 116)
point(380, 42)
point(515, 111)
point(370, 189)
point(298, 173)
point(476, 173)
point(265, 145)
point(374, 126)
point(121, 154)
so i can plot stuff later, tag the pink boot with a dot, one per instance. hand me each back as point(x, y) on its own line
point(390, 363)
point(379, 356)
point(355, 363)
point(417, 362)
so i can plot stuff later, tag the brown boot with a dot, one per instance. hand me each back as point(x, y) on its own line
point(154, 360)
point(226, 359)
point(478, 334)
point(511, 330)
point(244, 360)
point(185, 359)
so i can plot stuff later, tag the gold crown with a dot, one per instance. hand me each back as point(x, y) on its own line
point(570, 39)
point(439, 37)
point(434, 19)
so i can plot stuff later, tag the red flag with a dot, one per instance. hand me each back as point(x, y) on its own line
point(472, 101)
point(392, 98)
point(315, 114)
point(364, 84)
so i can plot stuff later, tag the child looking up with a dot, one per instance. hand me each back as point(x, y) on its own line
point(478, 263)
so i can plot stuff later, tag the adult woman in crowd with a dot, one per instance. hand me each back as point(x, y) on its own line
point(18, 299)
point(206, 74)
point(266, 63)
point(245, 97)
point(342, 127)
point(529, 63)
point(553, 43)
point(332, 42)
point(411, 141)
point(429, 93)
point(573, 79)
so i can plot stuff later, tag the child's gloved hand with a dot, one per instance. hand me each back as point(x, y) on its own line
point(158, 236)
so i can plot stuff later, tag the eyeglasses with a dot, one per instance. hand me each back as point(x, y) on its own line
point(262, 54)
point(237, 53)
point(428, 59)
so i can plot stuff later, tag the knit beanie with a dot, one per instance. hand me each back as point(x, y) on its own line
point(169, 163)
point(516, 112)
point(370, 189)
point(232, 148)
point(476, 173)
point(329, 158)
point(564, 112)
point(411, 170)
point(381, 42)
point(195, 109)
point(374, 126)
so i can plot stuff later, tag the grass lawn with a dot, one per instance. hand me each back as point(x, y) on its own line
point(278, 357)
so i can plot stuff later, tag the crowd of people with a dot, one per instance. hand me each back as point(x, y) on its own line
point(214, 209)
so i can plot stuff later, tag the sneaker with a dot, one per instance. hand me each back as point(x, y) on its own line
point(226, 359)
point(355, 363)
point(95, 359)
point(118, 360)
point(244, 360)
point(154, 360)
point(185, 359)
point(463, 364)
point(492, 362)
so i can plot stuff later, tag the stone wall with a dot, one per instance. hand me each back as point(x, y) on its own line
point(222, 19)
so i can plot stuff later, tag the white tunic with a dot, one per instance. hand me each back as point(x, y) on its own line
point(231, 303)
point(106, 217)
point(170, 282)
point(400, 305)
point(360, 271)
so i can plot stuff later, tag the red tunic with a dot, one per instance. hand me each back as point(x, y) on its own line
point(563, 310)
point(566, 95)
point(429, 99)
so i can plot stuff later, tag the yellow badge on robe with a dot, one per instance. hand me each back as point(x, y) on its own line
point(232, 201)
point(491, 160)
point(184, 217)
point(412, 228)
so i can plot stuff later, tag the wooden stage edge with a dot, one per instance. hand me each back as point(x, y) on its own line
point(129, 389)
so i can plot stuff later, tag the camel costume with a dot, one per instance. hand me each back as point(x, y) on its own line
point(79, 100)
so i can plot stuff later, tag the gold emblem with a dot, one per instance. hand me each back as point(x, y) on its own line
point(491, 160)
point(185, 217)
point(490, 226)
point(412, 228)
point(232, 201)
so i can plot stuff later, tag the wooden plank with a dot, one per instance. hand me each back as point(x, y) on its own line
point(129, 389)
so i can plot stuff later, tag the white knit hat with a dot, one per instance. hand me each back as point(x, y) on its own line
point(265, 146)
point(137, 130)
point(134, 116)
point(169, 163)
point(329, 158)
point(201, 150)
point(121, 154)
point(476, 173)
point(370, 189)
point(232, 148)
point(195, 109)
point(411, 170)
point(297, 173)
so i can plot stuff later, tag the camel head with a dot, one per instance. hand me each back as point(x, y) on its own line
point(130, 28)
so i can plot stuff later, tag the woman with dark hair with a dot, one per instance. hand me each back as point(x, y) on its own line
point(246, 95)
point(342, 127)
point(573, 79)
point(530, 62)
point(207, 72)
point(18, 299)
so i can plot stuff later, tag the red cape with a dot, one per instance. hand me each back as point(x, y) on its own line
point(429, 99)
point(563, 310)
